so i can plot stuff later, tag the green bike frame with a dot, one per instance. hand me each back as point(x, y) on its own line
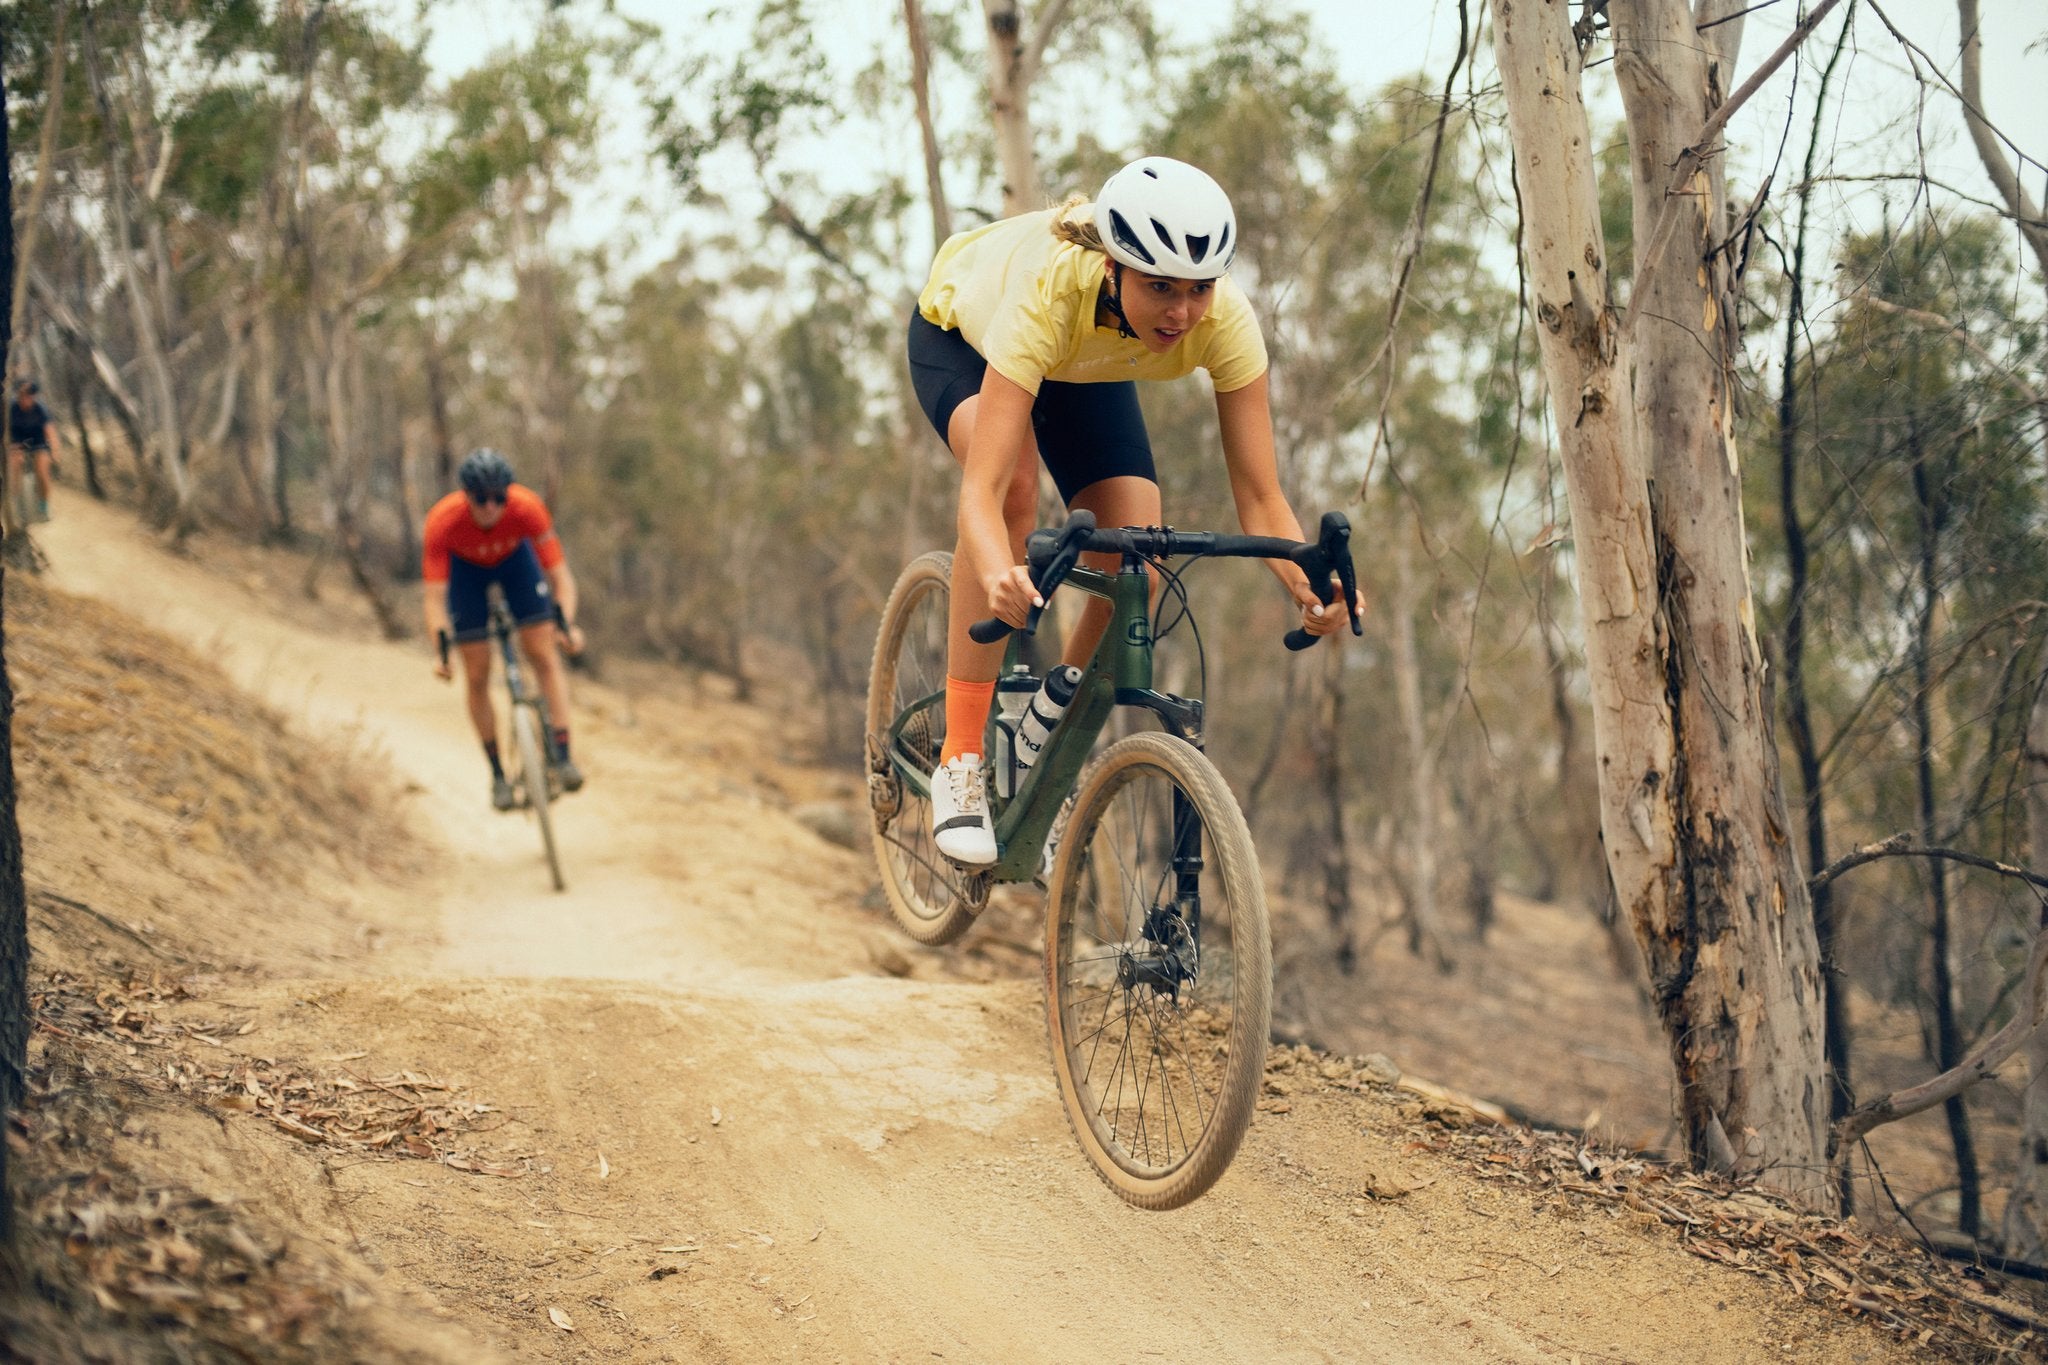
point(1118, 673)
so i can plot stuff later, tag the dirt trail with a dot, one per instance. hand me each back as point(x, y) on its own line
point(750, 1146)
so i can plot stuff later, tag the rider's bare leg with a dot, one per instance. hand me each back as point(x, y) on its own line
point(476, 677)
point(1125, 500)
point(43, 475)
point(538, 644)
point(966, 660)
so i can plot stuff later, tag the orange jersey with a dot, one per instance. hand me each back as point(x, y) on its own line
point(451, 530)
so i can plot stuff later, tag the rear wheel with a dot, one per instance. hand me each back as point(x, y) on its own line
point(1158, 971)
point(932, 898)
point(533, 782)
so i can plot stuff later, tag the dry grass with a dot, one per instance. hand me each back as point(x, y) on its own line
point(138, 766)
point(172, 827)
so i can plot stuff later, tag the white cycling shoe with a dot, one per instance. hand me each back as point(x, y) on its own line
point(960, 823)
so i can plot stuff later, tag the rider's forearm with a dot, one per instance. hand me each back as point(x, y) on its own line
point(1244, 418)
point(1271, 516)
point(434, 606)
point(984, 535)
point(564, 584)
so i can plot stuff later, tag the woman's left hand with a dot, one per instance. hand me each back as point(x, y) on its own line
point(1318, 619)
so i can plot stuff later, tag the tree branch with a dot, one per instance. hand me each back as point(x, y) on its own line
point(1901, 845)
point(1041, 35)
point(1695, 154)
point(1973, 1068)
point(2002, 175)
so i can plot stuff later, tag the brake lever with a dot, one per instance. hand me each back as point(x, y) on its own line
point(1330, 554)
point(1066, 554)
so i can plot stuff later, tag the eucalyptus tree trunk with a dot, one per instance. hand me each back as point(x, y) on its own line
point(264, 418)
point(1792, 653)
point(14, 949)
point(74, 404)
point(921, 93)
point(165, 431)
point(544, 398)
point(1948, 1036)
point(2026, 1209)
point(1690, 809)
point(1338, 911)
point(2025, 1230)
point(1016, 51)
point(437, 414)
point(1425, 938)
point(46, 163)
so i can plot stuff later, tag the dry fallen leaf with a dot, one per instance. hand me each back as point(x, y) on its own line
point(561, 1320)
point(604, 1168)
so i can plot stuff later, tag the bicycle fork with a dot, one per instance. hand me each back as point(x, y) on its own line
point(1173, 930)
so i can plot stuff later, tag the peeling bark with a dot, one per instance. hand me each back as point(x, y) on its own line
point(1690, 808)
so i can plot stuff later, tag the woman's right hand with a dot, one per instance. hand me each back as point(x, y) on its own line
point(1011, 595)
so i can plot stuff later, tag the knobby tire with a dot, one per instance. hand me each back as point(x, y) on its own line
point(533, 779)
point(929, 895)
point(1159, 1087)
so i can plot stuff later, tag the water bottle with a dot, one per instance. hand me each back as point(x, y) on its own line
point(1047, 706)
point(1014, 691)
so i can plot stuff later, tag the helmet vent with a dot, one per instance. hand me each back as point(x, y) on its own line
point(1149, 171)
point(1223, 242)
point(1120, 228)
point(1165, 235)
point(1198, 248)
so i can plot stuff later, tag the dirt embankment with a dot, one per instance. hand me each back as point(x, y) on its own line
point(324, 1072)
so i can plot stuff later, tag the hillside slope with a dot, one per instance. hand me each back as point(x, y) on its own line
point(703, 1106)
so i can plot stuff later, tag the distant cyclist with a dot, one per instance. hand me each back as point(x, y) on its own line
point(31, 433)
point(498, 531)
point(1024, 347)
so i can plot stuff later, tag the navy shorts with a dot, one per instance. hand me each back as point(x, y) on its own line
point(1086, 432)
point(518, 574)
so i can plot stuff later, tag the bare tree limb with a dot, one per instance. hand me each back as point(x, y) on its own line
point(1696, 152)
point(1922, 178)
point(2002, 174)
point(1901, 845)
point(1957, 330)
point(1049, 22)
point(1980, 1064)
point(103, 367)
point(1417, 235)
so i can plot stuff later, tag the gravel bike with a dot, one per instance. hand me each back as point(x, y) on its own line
point(1158, 960)
point(530, 770)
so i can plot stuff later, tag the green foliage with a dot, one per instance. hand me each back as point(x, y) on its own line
point(226, 141)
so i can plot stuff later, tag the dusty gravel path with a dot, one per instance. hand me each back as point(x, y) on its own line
point(695, 1045)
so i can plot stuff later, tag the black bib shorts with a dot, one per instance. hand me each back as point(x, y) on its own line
point(1086, 432)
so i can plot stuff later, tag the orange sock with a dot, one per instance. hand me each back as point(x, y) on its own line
point(967, 706)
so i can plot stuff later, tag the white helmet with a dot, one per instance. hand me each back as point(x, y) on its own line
point(1165, 217)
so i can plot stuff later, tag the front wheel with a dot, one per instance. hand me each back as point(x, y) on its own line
point(1159, 971)
point(533, 782)
point(933, 899)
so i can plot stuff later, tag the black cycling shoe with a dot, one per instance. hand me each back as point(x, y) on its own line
point(502, 795)
point(569, 775)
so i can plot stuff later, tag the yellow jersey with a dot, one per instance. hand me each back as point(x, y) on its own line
point(1025, 300)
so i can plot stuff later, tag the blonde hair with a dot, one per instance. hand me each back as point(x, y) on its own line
point(1073, 220)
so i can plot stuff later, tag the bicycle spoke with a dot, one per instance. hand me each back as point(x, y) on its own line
point(1163, 1066)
